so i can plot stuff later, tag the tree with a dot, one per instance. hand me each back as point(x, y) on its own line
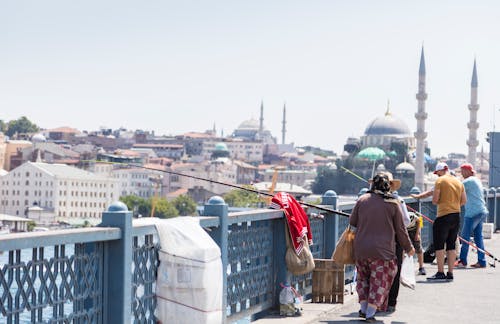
point(31, 226)
point(3, 126)
point(163, 208)
point(184, 205)
point(241, 198)
point(138, 205)
point(325, 179)
point(21, 126)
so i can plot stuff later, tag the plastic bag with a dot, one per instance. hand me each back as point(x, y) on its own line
point(407, 277)
point(289, 298)
point(286, 295)
point(344, 251)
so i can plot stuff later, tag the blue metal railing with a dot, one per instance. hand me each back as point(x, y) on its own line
point(92, 275)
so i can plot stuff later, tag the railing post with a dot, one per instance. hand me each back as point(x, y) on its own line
point(496, 217)
point(216, 206)
point(330, 224)
point(117, 300)
point(280, 271)
point(493, 212)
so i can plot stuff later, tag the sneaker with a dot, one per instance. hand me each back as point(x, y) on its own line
point(371, 319)
point(449, 276)
point(421, 271)
point(460, 264)
point(391, 309)
point(439, 276)
point(478, 265)
point(361, 314)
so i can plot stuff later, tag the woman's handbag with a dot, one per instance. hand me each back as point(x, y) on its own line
point(298, 264)
point(344, 251)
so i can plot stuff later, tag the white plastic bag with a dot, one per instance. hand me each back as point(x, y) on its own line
point(407, 277)
point(287, 295)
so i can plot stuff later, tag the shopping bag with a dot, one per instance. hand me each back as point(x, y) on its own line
point(344, 251)
point(407, 277)
point(298, 264)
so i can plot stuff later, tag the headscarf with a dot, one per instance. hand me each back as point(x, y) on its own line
point(381, 184)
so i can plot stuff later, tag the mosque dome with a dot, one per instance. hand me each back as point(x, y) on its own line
point(405, 167)
point(220, 151)
point(221, 147)
point(250, 124)
point(38, 138)
point(387, 125)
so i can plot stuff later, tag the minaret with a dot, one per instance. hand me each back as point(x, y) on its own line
point(421, 116)
point(473, 125)
point(283, 128)
point(261, 120)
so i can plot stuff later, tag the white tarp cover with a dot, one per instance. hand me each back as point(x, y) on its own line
point(189, 281)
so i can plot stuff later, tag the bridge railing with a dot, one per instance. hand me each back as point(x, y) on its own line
point(107, 274)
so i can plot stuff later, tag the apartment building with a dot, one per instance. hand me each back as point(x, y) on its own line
point(62, 191)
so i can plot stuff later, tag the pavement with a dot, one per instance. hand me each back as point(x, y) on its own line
point(473, 297)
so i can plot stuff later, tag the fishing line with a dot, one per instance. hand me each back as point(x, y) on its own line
point(338, 212)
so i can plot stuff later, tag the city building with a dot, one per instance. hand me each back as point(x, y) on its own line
point(3, 149)
point(12, 157)
point(248, 151)
point(65, 193)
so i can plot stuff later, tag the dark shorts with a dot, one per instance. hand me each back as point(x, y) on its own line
point(416, 244)
point(445, 230)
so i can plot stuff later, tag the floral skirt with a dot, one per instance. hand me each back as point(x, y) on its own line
point(374, 280)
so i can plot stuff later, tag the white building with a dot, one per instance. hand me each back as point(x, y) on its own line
point(62, 191)
point(295, 177)
point(139, 182)
point(238, 150)
point(136, 181)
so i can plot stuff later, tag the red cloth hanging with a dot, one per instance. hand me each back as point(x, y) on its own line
point(298, 222)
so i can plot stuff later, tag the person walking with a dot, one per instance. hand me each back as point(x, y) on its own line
point(474, 216)
point(449, 196)
point(378, 223)
point(392, 298)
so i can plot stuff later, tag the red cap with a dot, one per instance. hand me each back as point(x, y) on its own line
point(467, 166)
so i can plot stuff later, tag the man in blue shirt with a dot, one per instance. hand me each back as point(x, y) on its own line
point(474, 216)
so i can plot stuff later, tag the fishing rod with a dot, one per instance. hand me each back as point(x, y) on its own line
point(338, 212)
point(432, 222)
point(460, 238)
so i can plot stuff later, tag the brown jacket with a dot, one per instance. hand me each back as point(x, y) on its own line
point(379, 223)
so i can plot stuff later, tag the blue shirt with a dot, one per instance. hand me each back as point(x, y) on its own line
point(475, 204)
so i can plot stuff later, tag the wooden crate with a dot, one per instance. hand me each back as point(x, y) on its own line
point(328, 282)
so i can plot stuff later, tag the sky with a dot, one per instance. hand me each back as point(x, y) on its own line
point(179, 66)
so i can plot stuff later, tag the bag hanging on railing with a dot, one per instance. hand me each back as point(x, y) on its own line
point(344, 251)
point(298, 264)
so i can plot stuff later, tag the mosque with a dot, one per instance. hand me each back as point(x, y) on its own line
point(384, 131)
point(254, 130)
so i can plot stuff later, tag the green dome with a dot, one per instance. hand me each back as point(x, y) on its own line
point(221, 147)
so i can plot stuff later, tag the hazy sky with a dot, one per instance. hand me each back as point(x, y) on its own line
point(181, 66)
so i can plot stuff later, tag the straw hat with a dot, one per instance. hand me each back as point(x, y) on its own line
point(395, 183)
